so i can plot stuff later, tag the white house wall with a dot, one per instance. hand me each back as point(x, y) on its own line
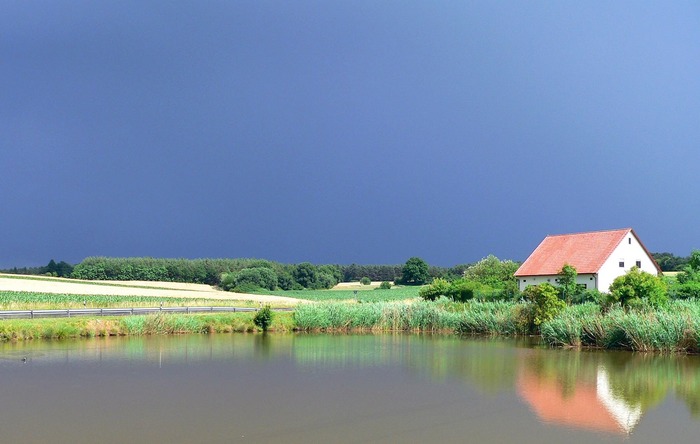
point(588, 280)
point(629, 252)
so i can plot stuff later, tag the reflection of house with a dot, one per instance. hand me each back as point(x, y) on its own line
point(587, 405)
point(598, 256)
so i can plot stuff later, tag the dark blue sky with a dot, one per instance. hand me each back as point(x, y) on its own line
point(344, 131)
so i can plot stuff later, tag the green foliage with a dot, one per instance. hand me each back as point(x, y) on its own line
point(381, 316)
point(415, 272)
point(567, 282)
point(439, 287)
point(669, 262)
point(690, 289)
point(493, 273)
point(545, 300)
point(263, 318)
point(635, 286)
point(364, 294)
point(365, 281)
point(305, 274)
point(459, 290)
point(385, 285)
point(250, 279)
point(462, 290)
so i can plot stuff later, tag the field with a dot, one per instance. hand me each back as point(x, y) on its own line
point(23, 291)
point(350, 292)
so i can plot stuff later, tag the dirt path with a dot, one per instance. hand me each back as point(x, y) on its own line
point(40, 284)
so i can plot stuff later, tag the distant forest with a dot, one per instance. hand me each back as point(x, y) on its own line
point(209, 270)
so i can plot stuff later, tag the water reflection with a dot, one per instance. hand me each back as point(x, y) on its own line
point(605, 392)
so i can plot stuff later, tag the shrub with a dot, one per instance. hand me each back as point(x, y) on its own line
point(263, 318)
point(545, 299)
point(690, 289)
point(250, 279)
point(635, 285)
point(385, 285)
point(439, 287)
point(365, 281)
point(463, 290)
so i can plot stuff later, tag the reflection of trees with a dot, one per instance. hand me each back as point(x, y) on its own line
point(626, 384)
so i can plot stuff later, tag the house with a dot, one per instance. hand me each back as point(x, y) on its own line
point(584, 404)
point(598, 256)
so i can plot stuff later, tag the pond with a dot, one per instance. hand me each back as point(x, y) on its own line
point(341, 388)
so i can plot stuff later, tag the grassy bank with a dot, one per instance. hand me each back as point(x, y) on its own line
point(64, 328)
point(673, 329)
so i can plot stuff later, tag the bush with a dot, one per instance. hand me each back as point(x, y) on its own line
point(250, 279)
point(365, 281)
point(439, 287)
point(690, 289)
point(545, 299)
point(463, 290)
point(385, 285)
point(634, 286)
point(263, 318)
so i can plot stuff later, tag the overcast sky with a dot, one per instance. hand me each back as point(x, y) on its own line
point(344, 131)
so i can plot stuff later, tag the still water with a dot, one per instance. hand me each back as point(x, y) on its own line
point(341, 389)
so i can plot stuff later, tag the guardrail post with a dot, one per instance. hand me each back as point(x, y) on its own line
point(31, 314)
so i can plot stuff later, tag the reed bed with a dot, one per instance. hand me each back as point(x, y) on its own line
point(670, 330)
point(379, 316)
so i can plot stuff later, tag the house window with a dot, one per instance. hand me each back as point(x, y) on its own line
point(629, 241)
point(638, 264)
point(590, 279)
point(622, 264)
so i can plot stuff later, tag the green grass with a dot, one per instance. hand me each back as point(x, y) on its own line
point(10, 300)
point(160, 324)
point(398, 293)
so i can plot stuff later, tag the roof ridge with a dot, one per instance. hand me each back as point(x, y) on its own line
point(590, 232)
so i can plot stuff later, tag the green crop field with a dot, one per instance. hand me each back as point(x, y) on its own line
point(398, 293)
point(12, 300)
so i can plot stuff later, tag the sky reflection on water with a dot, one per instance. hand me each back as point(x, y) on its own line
point(341, 388)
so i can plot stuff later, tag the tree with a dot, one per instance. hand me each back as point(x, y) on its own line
point(567, 282)
point(305, 274)
point(415, 272)
point(263, 318)
point(493, 272)
point(545, 300)
point(635, 285)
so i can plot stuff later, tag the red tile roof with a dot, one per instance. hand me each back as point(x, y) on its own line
point(585, 251)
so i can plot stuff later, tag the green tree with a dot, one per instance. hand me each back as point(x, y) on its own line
point(567, 282)
point(263, 318)
point(493, 272)
point(415, 272)
point(305, 274)
point(635, 285)
point(439, 287)
point(545, 301)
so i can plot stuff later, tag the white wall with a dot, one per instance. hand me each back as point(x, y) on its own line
point(629, 251)
point(588, 280)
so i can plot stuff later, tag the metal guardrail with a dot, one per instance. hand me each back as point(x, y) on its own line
point(131, 311)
